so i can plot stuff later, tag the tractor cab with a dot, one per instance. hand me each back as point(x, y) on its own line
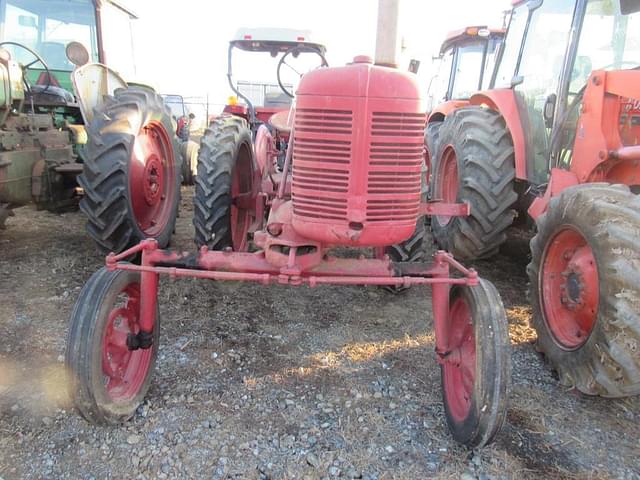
point(258, 101)
point(35, 33)
point(124, 168)
point(46, 28)
point(465, 64)
point(556, 139)
point(548, 68)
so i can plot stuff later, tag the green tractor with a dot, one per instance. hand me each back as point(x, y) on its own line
point(111, 146)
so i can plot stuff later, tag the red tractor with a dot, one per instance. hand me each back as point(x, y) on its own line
point(351, 178)
point(264, 115)
point(466, 62)
point(557, 137)
point(243, 150)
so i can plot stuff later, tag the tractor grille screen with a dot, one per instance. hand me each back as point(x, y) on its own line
point(356, 171)
point(393, 166)
point(321, 163)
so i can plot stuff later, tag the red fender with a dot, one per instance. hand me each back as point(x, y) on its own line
point(504, 102)
point(238, 110)
point(558, 181)
point(439, 113)
point(264, 151)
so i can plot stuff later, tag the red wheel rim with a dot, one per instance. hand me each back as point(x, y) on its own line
point(460, 366)
point(242, 200)
point(151, 179)
point(124, 371)
point(447, 181)
point(569, 287)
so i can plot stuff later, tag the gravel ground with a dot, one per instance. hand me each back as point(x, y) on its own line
point(256, 382)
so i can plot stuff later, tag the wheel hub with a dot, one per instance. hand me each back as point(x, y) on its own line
point(153, 180)
point(569, 288)
point(124, 369)
point(447, 181)
point(460, 363)
point(242, 201)
point(572, 290)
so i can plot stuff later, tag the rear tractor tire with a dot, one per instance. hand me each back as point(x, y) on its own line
point(189, 151)
point(585, 288)
point(225, 193)
point(474, 163)
point(476, 387)
point(431, 137)
point(108, 380)
point(132, 170)
point(413, 249)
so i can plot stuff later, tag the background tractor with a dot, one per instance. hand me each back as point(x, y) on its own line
point(49, 149)
point(352, 177)
point(188, 148)
point(557, 136)
point(465, 66)
point(243, 150)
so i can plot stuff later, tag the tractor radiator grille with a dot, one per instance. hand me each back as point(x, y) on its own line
point(395, 166)
point(312, 120)
point(321, 163)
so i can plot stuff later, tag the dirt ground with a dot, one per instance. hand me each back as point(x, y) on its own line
point(256, 382)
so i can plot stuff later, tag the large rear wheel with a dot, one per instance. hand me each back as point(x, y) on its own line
point(131, 176)
point(189, 151)
point(431, 138)
point(474, 163)
point(585, 288)
point(109, 379)
point(414, 249)
point(477, 371)
point(224, 199)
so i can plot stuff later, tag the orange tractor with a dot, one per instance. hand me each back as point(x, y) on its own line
point(556, 136)
point(466, 60)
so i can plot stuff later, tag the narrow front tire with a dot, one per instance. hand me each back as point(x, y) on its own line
point(476, 372)
point(109, 380)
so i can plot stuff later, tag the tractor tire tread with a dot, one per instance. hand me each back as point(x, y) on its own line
point(110, 220)
point(212, 197)
point(608, 364)
point(486, 169)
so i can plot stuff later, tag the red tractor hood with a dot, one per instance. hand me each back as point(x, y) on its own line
point(361, 79)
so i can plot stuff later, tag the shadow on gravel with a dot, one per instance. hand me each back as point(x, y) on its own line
point(521, 438)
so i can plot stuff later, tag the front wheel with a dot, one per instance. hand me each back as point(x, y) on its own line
point(476, 373)
point(108, 378)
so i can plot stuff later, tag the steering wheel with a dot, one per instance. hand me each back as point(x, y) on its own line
point(37, 59)
point(294, 52)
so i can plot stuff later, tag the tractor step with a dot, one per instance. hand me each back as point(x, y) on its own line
point(69, 168)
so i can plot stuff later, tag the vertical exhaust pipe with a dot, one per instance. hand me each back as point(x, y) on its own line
point(387, 37)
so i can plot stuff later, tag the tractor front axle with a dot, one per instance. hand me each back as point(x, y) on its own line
point(254, 267)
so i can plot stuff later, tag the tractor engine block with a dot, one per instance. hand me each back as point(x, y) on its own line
point(358, 153)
